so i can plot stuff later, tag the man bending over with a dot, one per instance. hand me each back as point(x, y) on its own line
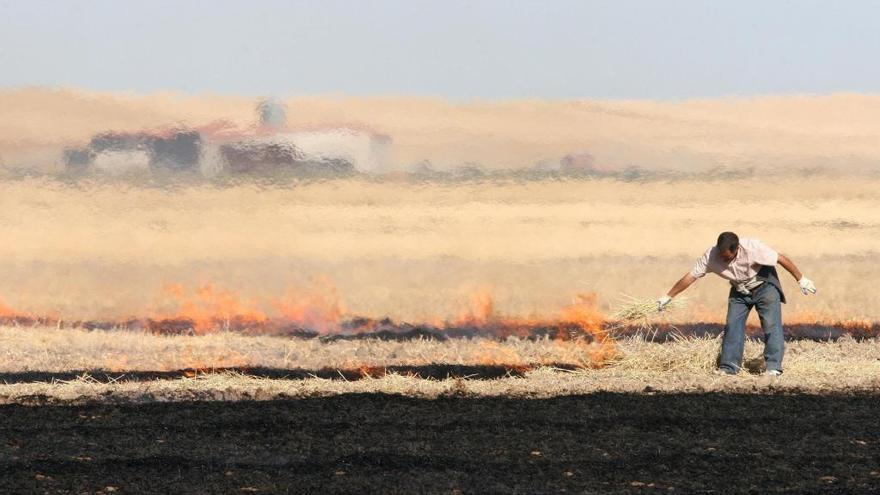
point(750, 267)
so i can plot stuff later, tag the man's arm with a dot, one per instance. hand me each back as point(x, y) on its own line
point(701, 267)
point(682, 284)
point(807, 286)
point(790, 266)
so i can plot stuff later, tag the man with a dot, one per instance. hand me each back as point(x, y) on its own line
point(750, 267)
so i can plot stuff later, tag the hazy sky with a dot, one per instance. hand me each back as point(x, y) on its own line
point(456, 49)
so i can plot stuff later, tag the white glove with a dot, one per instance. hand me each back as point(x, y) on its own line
point(662, 302)
point(807, 286)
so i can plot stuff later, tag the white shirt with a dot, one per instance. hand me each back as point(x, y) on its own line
point(750, 256)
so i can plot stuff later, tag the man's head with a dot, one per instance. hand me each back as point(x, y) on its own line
point(728, 244)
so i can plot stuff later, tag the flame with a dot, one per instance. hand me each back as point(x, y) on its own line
point(582, 319)
point(8, 312)
point(210, 308)
point(320, 309)
point(480, 309)
point(584, 312)
point(578, 332)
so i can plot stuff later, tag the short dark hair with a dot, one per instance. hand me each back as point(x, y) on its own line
point(728, 241)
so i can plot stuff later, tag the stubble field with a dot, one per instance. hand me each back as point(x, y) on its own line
point(425, 251)
point(226, 406)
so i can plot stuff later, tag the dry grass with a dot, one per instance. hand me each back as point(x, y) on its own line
point(416, 251)
point(352, 218)
point(684, 365)
point(53, 350)
point(803, 359)
point(645, 312)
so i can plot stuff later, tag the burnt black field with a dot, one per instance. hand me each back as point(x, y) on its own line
point(374, 443)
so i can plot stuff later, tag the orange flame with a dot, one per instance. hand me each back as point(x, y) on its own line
point(210, 308)
point(583, 316)
point(207, 308)
point(585, 313)
point(480, 309)
point(319, 309)
point(8, 312)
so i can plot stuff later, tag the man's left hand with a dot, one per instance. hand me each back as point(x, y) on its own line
point(807, 286)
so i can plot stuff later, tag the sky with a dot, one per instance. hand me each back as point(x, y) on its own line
point(460, 50)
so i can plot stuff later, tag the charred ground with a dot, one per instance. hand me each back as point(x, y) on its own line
point(376, 443)
point(360, 328)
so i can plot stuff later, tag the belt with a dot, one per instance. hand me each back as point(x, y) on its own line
point(746, 286)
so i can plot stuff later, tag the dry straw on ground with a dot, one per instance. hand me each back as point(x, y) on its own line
point(56, 350)
point(683, 365)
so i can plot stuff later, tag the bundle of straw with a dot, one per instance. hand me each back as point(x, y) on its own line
point(641, 311)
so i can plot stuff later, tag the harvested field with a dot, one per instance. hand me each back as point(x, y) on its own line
point(422, 251)
point(404, 336)
point(376, 443)
point(434, 418)
point(318, 292)
point(51, 366)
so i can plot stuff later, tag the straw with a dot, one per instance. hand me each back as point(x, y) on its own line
point(641, 312)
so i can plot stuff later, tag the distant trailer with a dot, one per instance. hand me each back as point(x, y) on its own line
point(247, 157)
point(116, 152)
point(327, 151)
point(365, 151)
point(266, 154)
point(179, 151)
point(121, 161)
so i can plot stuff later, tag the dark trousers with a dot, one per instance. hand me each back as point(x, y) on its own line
point(766, 300)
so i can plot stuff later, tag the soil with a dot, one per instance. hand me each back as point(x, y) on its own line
point(374, 443)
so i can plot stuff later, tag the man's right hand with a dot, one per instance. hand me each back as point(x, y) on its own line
point(662, 302)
